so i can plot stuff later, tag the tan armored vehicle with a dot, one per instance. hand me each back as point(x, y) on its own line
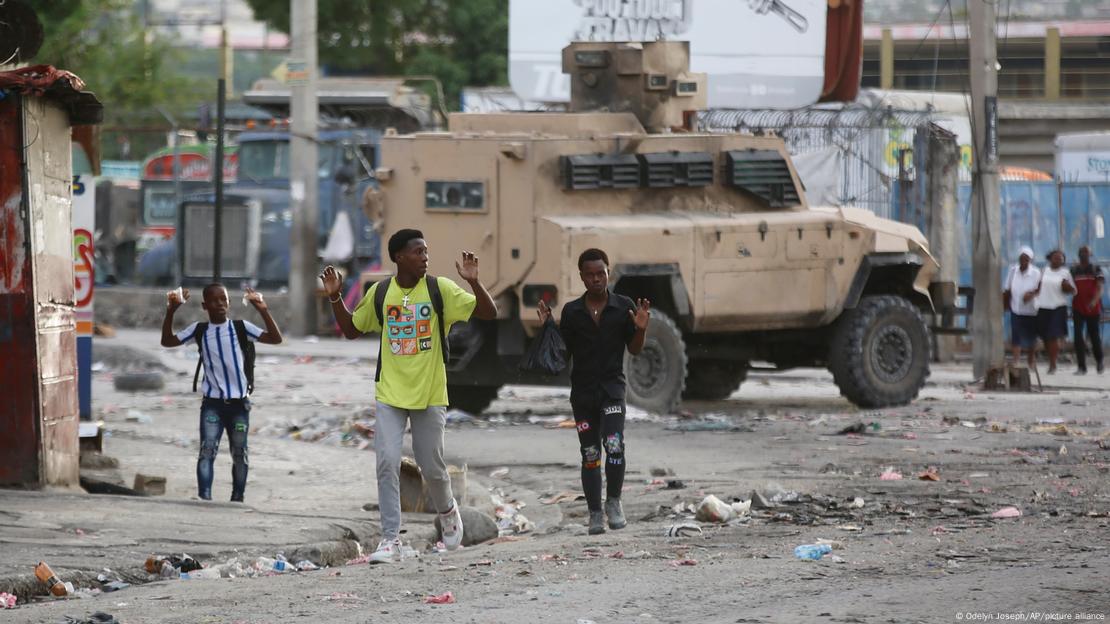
point(713, 228)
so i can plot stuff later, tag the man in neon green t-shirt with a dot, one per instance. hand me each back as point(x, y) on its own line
point(412, 380)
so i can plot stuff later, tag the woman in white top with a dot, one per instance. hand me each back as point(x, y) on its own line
point(1020, 296)
point(1053, 296)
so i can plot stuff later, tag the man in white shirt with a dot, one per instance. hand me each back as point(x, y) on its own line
point(1020, 295)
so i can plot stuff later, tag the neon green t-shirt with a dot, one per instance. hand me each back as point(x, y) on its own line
point(413, 374)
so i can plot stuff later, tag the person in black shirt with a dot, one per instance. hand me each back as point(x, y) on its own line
point(597, 328)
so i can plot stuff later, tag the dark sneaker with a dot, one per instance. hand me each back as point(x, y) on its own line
point(597, 522)
point(616, 514)
point(1081, 371)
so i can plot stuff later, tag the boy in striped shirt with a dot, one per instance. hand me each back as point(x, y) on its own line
point(228, 377)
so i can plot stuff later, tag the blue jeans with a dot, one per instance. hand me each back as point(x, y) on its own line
point(215, 416)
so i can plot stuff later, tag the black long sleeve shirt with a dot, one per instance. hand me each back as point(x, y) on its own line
point(597, 349)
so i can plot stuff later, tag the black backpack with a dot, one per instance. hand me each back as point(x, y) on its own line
point(245, 345)
point(437, 305)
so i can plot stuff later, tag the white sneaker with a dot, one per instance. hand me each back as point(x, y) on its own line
point(389, 551)
point(452, 526)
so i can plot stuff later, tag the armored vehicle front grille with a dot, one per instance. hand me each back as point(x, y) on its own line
point(594, 171)
point(763, 173)
point(665, 169)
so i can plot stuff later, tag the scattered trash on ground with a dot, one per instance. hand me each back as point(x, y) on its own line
point(96, 618)
point(44, 574)
point(929, 474)
point(683, 529)
point(444, 598)
point(684, 562)
point(7, 601)
point(713, 509)
point(812, 552)
point(1007, 512)
point(707, 423)
point(355, 429)
point(889, 474)
point(510, 520)
point(860, 428)
point(560, 497)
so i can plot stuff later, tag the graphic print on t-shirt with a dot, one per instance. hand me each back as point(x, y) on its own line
point(409, 328)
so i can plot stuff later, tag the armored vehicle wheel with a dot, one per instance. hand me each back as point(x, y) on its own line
point(879, 355)
point(713, 380)
point(657, 375)
point(472, 399)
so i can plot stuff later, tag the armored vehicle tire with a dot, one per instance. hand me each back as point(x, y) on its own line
point(879, 355)
point(657, 375)
point(712, 380)
point(472, 399)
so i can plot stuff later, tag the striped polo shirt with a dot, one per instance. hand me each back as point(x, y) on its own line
point(224, 377)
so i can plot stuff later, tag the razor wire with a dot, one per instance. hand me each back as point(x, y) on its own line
point(873, 140)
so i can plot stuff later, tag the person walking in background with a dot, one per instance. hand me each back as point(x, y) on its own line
point(1055, 289)
point(1086, 309)
point(1020, 296)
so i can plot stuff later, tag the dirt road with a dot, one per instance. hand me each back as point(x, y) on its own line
point(908, 550)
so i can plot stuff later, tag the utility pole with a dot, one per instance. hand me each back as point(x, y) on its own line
point(942, 164)
point(986, 220)
point(218, 180)
point(227, 67)
point(304, 239)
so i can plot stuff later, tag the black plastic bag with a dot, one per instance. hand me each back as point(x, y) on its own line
point(547, 354)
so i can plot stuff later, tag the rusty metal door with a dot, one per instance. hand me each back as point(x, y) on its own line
point(39, 355)
point(19, 442)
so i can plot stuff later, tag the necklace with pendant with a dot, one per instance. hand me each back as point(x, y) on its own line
point(406, 293)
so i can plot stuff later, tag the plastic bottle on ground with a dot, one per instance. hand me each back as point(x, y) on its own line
point(267, 564)
point(812, 551)
point(47, 576)
point(203, 573)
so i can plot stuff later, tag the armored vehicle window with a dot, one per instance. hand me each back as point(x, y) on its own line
point(763, 173)
point(594, 171)
point(451, 195)
point(666, 169)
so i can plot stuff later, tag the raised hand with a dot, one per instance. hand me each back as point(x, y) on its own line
point(331, 280)
point(255, 299)
point(642, 314)
point(175, 298)
point(543, 311)
point(468, 270)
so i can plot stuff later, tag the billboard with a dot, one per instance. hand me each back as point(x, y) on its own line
point(757, 53)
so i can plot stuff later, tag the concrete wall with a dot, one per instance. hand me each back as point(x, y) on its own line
point(130, 306)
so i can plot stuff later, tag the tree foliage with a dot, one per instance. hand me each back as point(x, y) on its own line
point(462, 43)
point(103, 42)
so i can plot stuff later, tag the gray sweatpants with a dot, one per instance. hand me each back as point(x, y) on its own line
point(427, 446)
